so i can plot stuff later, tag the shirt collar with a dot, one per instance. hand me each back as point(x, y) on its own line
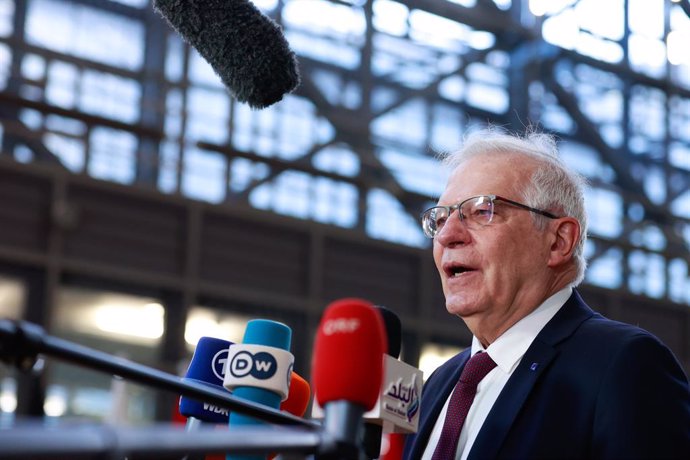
point(510, 347)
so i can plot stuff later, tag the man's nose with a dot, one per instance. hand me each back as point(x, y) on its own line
point(454, 231)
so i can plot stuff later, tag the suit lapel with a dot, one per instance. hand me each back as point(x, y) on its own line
point(532, 366)
point(510, 401)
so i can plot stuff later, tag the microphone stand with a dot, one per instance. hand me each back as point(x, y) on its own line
point(34, 441)
point(21, 342)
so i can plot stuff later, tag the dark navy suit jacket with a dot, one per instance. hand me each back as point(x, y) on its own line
point(587, 388)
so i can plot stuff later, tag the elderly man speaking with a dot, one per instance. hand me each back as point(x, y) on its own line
point(546, 377)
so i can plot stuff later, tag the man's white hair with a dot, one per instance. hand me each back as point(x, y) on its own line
point(553, 186)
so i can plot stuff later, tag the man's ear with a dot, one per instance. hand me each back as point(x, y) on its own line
point(566, 231)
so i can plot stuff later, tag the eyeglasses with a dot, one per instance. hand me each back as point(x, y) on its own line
point(477, 211)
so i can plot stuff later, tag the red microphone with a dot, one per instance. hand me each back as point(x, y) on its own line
point(348, 369)
point(298, 396)
point(394, 446)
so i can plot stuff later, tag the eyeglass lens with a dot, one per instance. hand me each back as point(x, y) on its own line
point(477, 211)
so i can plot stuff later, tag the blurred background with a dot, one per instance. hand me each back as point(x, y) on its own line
point(141, 207)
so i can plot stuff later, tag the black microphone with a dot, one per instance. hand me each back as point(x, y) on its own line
point(391, 322)
point(244, 47)
point(373, 431)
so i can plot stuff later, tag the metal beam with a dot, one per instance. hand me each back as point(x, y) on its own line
point(590, 134)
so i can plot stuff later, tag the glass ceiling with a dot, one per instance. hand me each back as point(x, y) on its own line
point(387, 85)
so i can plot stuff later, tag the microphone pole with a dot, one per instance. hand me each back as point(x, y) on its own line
point(34, 442)
point(21, 342)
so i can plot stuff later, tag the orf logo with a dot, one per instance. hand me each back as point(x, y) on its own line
point(219, 363)
point(261, 365)
point(340, 325)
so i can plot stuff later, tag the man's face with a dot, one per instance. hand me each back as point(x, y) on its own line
point(495, 273)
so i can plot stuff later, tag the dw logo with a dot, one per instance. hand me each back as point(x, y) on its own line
point(261, 365)
point(218, 364)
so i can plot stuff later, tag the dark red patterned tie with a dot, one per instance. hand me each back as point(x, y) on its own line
point(461, 400)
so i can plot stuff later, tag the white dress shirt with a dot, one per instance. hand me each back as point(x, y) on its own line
point(506, 351)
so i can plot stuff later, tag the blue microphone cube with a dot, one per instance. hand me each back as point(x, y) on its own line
point(207, 367)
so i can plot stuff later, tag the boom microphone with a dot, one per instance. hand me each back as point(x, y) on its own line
point(348, 369)
point(259, 369)
point(244, 47)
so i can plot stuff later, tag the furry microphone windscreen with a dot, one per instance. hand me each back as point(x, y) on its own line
point(245, 48)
